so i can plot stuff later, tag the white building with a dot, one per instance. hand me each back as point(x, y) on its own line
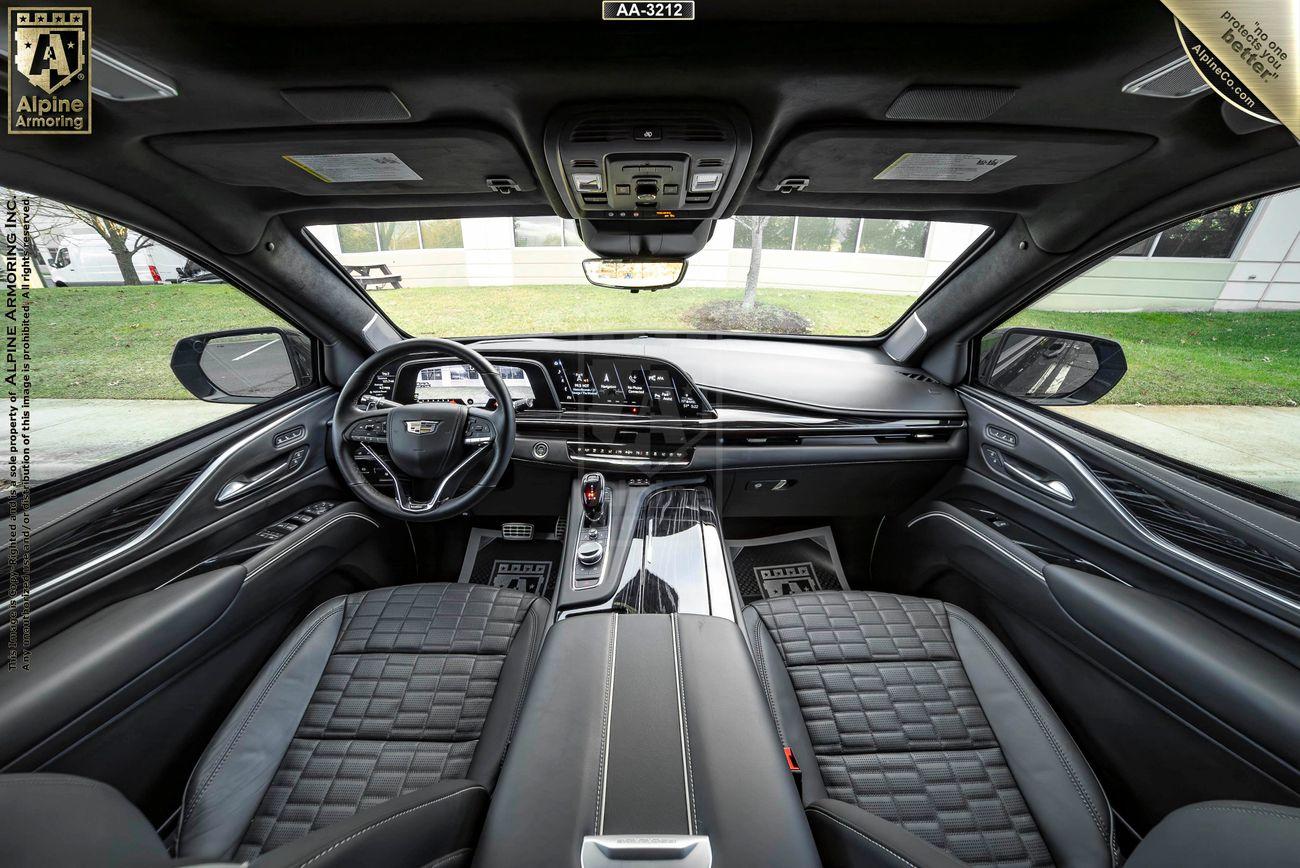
point(1243, 258)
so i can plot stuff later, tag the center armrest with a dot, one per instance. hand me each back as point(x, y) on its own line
point(645, 725)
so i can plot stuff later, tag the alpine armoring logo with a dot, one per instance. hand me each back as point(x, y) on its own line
point(49, 70)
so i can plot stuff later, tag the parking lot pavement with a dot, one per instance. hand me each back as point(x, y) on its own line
point(1254, 444)
point(71, 434)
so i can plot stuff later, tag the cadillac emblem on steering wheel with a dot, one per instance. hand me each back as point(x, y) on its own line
point(421, 426)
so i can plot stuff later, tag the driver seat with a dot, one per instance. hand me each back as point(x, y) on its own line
point(374, 696)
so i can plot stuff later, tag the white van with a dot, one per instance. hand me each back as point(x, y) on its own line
point(83, 258)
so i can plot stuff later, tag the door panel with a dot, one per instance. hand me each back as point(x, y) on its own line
point(149, 577)
point(1174, 659)
point(136, 530)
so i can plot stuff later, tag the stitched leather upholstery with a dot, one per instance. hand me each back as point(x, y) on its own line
point(377, 695)
point(879, 689)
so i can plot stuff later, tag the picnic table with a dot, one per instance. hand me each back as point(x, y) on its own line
point(365, 275)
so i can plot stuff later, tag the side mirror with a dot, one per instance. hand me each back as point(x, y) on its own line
point(1049, 367)
point(634, 274)
point(242, 366)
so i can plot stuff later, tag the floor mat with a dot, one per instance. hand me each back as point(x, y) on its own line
point(789, 563)
point(530, 565)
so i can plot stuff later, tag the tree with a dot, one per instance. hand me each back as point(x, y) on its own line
point(755, 225)
point(50, 221)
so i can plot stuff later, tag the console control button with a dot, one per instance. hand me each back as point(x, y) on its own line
point(590, 553)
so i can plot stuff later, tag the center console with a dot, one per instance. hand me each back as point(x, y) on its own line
point(645, 740)
point(643, 546)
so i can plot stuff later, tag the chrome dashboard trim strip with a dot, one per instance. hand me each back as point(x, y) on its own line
point(855, 411)
point(165, 517)
point(1120, 510)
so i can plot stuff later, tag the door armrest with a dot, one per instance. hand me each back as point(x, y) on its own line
point(55, 819)
point(1212, 834)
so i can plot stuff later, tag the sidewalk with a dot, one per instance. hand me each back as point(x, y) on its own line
point(72, 434)
point(1260, 445)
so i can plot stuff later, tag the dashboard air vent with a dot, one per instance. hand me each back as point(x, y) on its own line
point(1199, 535)
point(920, 377)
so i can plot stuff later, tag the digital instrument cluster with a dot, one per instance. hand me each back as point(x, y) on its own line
point(461, 384)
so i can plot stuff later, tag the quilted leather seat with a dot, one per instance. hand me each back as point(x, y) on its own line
point(375, 696)
point(920, 738)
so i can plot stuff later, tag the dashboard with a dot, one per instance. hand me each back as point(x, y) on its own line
point(826, 420)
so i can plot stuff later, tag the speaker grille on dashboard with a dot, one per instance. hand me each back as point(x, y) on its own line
point(948, 103)
point(347, 105)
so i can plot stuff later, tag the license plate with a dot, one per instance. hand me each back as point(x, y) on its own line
point(648, 10)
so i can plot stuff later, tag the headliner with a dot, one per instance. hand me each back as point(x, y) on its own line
point(507, 65)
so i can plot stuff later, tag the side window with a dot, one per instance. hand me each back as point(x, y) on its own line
point(132, 343)
point(1187, 344)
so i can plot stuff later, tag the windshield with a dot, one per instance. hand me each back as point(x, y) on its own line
point(523, 275)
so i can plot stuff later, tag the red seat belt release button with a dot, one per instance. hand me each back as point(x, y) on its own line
point(795, 771)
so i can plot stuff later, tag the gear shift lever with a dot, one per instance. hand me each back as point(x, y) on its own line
point(593, 498)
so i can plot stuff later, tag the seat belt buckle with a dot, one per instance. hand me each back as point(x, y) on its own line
point(795, 771)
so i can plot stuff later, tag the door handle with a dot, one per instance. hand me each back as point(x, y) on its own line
point(240, 486)
point(1051, 487)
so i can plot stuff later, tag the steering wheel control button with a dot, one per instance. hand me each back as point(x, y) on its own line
point(590, 553)
point(370, 431)
point(540, 450)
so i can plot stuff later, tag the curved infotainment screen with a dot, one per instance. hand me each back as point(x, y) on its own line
point(462, 384)
point(623, 385)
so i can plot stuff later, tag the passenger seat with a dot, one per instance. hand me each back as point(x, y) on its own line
point(920, 739)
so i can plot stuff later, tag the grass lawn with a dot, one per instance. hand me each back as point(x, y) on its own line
point(116, 342)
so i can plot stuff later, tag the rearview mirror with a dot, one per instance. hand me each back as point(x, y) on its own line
point(634, 274)
point(1049, 367)
point(242, 366)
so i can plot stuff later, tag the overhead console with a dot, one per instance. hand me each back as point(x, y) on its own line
point(663, 172)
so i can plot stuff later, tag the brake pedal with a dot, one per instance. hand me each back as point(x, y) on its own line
point(517, 531)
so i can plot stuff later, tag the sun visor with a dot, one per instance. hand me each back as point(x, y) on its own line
point(912, 159)
point(388, 161)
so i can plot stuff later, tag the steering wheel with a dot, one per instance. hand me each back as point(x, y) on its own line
point(430, 444)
